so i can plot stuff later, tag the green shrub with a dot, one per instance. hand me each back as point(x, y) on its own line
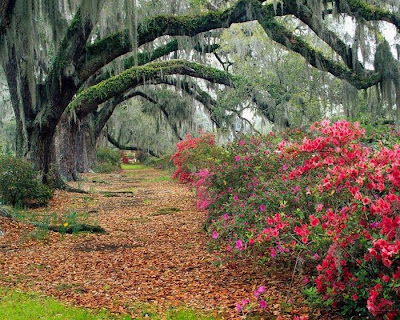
point(162, 163)
point(105, 168)
point(108, 160)
point(19, 185)
point(107, 155)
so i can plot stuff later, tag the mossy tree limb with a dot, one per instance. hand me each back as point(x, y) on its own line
point(88, 100)
point(62, 82)
point(120, 146)
point(104, 51)
point(317, 59)
point(198, 94)
point(145, 57)
point(368, 12)
point(108, 108)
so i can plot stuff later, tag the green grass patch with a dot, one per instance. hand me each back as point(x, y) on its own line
point(147, 202)
point(21, 306)
point(71, 222)
point(132, 166)
point(165, 211)
point(18, 305)
point(187, 314)
point(139, 219)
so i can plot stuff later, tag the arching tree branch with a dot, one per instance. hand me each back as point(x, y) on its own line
point(102, 52)
point(145, 57)
point(88, 100)
point(116, 144)
point(280, 34)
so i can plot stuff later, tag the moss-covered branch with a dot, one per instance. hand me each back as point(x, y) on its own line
point(145, 57)
point(366, 11)
point(120, 146)
point(317, 59)
point(62, 82)
point(303, 12)
point(104, 51)
point(163, 110)
point(88, 100)
point(198, 94)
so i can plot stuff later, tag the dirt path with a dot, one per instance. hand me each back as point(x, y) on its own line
point(154, 253)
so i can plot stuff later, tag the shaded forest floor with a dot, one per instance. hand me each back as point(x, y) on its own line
point(154, 255)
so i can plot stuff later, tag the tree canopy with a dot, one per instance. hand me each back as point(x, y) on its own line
point(81, 59)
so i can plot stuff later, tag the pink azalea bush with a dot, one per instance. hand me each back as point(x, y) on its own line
point(321, 195)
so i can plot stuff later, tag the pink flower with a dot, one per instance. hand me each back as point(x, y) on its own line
point(262, 207)
point(215, 234)
point(263, 304)
point(226, 216)
point(236, 198)
point(284, 167)
point(306, 280)
point(273, 252)
point(261, 289)
point(237, 158)
point(239, 245)
point(319, 207)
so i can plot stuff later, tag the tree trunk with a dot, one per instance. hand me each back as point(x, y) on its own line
point(86, 146)
point(66, 142)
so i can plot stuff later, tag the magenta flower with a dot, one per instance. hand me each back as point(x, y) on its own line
point(263, 304)
point(226, 217)
point(238, 307)
point(237, 158)
point(262, 207)
point(239, 245)
point(215, 234)
point(261, 289)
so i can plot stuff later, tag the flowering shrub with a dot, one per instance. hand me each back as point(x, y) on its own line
point(192, 154)
point(323, 195)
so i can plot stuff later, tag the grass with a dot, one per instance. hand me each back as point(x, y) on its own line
point(165, 211)
point(69, 222)
point(17, 305)
point(132, 166)
point(139, 219)
point(21, 306)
